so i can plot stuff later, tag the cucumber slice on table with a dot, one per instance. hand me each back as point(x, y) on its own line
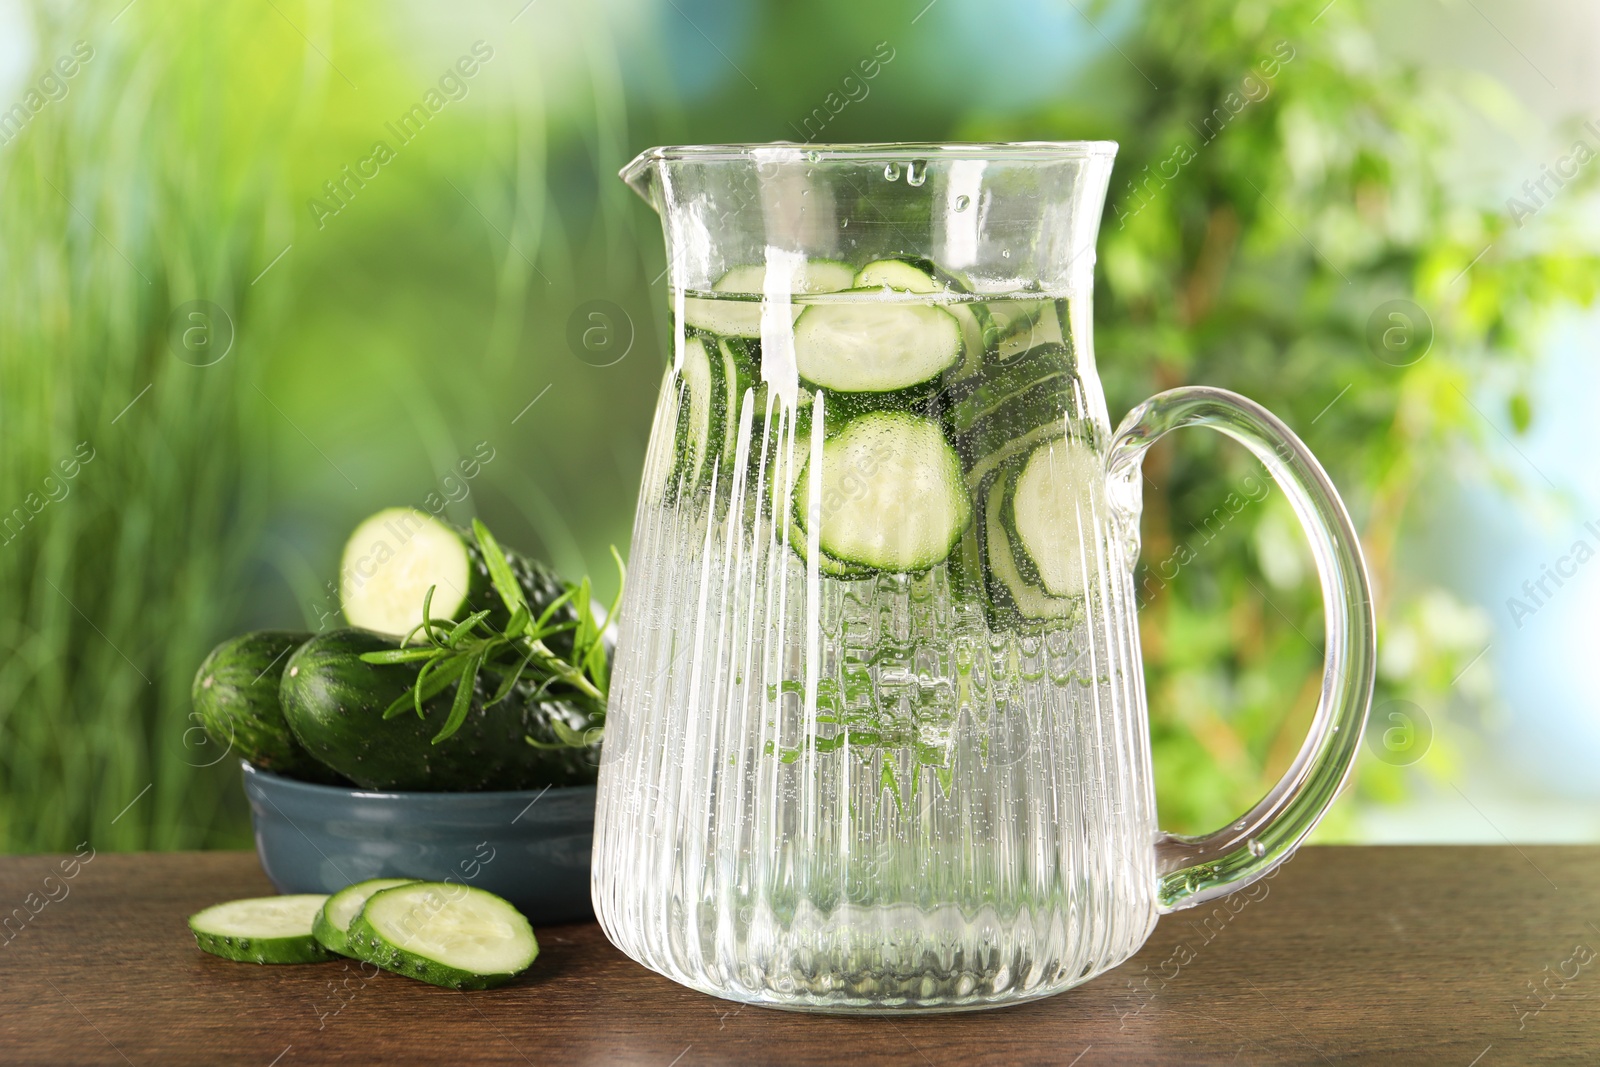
point(892, 494)
point(445, 934)
point(332, 924)
point(262, 929)
point(742, 318)
point(875, 346)
point(393, 557)
point(235, 695)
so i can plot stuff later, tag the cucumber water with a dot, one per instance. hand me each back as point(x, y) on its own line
point(913, 467)
point(921, 389)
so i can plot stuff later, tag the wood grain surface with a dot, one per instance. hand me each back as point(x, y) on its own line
point(1468, 956)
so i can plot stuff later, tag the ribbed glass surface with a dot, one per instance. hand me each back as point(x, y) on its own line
point(880, 791)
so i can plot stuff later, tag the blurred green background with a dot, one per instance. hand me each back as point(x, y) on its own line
point(233, 325)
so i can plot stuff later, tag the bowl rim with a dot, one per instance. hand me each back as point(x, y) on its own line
point(278, 781)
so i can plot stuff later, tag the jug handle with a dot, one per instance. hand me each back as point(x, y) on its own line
point(1193, 870)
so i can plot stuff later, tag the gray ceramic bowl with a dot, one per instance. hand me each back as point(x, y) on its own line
point(530, 847)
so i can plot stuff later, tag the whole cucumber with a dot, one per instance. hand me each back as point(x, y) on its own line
point(334, 703)
point(235, 696)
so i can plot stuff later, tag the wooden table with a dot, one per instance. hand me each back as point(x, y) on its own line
point(1353, 955)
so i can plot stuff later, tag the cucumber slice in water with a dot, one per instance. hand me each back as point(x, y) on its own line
point(732, 393)
point(1042, 328)
point(899, 274)
point(698, 387)
point(444, 934)
point(1053, 507)
point(262, 929)
point(892, 494)
point(1039, 524)
point(875, 346)
point(332, 924)
point(1007, 318)
point(921, 276)
point(742, 318)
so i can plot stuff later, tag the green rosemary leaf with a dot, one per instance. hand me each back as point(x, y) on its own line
point(568, 735)
point(550, 610)
point(510, 680)
point(401, 703)
point(520, 620)
point(427, 616)
point(463, 701)
point(399, 655)
point(584, 601)
point(464, 627)
point(435, 676)
point(505, 583)
point(443, 671)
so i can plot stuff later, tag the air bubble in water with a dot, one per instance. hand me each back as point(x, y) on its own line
point(917, 172)
point(962, 201)
point(1256, 847)
point(891, 172)
point(1005, 253)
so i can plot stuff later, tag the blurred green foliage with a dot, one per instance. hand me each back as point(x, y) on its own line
point(1280, 179)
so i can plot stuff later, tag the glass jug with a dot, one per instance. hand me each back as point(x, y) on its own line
point(877, 737)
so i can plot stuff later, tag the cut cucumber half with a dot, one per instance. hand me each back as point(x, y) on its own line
point(875, 346)
point(974, 319)
point(1010, 587)
point(742, 318)
point(393, 558)
point(833, 568)
point(892, 494)
point(389, 563)
point(262, 929)
point(332, 924)
point(445, 934)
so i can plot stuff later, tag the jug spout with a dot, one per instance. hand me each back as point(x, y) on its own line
point(640, 174)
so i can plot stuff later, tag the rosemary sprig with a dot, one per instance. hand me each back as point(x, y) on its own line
point(456, 653)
